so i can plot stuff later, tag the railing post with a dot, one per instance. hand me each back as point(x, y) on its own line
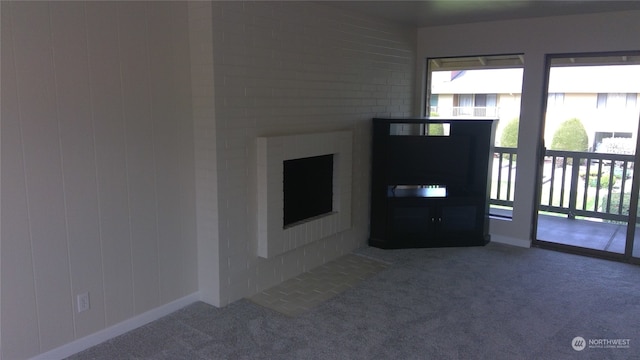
point(573, 189)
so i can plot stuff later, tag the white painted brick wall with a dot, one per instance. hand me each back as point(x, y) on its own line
point(287, 68)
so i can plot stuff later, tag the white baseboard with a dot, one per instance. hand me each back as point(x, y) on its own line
point(96, 338)
point(507, 240)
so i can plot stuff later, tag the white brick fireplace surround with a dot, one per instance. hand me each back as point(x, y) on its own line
point(273, 238)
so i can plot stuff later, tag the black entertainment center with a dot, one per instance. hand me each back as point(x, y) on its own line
point(430, 182)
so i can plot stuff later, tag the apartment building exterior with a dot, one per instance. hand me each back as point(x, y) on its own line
point(606, 106)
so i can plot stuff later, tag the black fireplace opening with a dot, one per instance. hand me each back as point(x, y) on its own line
point(308, 188)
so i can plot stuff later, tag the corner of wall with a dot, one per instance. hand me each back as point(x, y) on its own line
point(202, 87)
point(508, 240)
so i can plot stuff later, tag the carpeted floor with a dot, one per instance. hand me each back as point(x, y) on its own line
point(493, 302)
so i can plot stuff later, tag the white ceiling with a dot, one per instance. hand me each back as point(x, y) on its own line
point(448, 12)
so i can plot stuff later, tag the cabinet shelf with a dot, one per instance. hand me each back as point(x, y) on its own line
point(417, 192)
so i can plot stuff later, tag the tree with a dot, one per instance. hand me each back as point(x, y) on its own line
point(509, 137)
point(570, 136)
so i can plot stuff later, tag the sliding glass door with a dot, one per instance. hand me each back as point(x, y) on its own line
point(588, 187)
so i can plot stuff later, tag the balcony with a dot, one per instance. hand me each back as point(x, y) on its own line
point(584, 200)
point(466, 111)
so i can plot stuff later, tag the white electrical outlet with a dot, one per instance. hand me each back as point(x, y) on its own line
point(82, 301)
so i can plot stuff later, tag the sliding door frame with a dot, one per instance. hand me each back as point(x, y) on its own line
point(627, 256)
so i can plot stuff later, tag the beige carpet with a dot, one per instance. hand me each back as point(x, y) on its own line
point(492, 302)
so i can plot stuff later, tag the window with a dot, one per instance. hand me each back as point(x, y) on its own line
point(433, 105)
point(605, 141)
point(616, 101)
point(463, 104)
point(483, 105)
point(555, 99)
point(482, 86)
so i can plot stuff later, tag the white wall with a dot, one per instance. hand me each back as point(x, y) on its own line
point(206, 165)
point(97, 167)
point(287, 68)
point(99, 172)
point(119, 175)
point(534, 38)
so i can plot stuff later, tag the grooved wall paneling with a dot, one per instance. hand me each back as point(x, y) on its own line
point(98, 189)
point(19, 309)
point(69, 38)
point(37, 104)
point(141, 160)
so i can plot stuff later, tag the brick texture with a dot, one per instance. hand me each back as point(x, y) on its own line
point(290, 68)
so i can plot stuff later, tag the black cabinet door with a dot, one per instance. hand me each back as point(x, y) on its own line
point(435, 222)
point(411, 224)
point(461, 224)
point(458, 218)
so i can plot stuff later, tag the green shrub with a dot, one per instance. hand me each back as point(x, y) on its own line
point(604, 181)
point(570, 136)
point(615, 202)
point(509, 137)
point(436, 129)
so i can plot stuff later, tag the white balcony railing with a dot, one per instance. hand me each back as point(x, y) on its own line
point(587, 184)
point(465, 111)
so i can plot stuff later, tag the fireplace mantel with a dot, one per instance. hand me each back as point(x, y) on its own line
point(273, 238)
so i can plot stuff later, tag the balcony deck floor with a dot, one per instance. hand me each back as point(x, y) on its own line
point(582, 233)
point(585, 233)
